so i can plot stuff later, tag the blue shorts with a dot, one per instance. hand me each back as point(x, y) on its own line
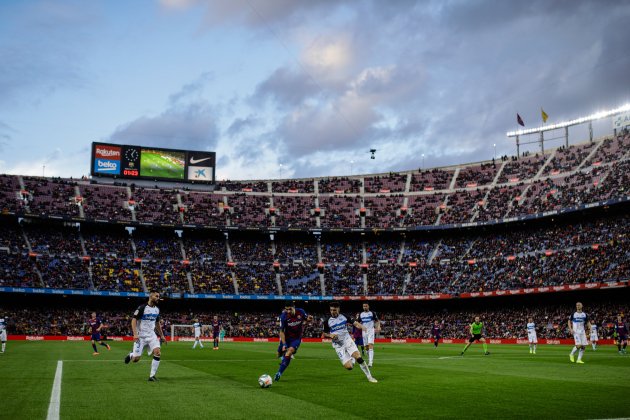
point(358, 341)
point(215, 335)
point(96, 337)
point(295, 343)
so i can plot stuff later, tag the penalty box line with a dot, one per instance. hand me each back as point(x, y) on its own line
point(55, 395)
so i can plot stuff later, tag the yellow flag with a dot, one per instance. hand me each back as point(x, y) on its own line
point(544, 115)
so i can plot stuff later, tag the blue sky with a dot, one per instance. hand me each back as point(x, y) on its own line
point(300, 88)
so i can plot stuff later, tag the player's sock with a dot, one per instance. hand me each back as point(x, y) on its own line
point(624, 346)
point(619, 346)
point(103, 344)
point(574, 350)
point(200, 344)
point(435, 343)
point(364, 367)
point(580, 354)
point(4, 345)
point(370, 356)
point(535, 347)
point(94, 347)
point(285, 364)
point(485, 348)
point(195, 344)
point(154, 365)
point(593, 345)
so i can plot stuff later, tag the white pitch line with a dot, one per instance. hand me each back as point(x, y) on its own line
point(55, 395)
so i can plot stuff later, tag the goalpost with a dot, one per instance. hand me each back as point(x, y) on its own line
point(186, 332)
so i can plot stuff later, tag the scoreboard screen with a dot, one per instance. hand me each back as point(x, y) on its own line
point(152, 163)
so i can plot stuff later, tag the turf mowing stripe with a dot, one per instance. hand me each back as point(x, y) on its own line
point(55, 395)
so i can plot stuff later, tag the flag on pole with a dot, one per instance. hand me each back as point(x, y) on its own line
point(544, 115)
point(519, 120)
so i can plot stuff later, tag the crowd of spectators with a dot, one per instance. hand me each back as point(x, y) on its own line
point(508, 322)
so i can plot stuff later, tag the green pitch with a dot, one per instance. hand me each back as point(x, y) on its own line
point(156, 165)
point(415, 381)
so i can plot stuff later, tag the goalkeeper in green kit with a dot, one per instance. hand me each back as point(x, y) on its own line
point(476, 332)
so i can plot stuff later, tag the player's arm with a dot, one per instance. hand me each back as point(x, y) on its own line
point(471, 329)
point(281, 333)
point(134, 328)
point(158, 327)
point(570, 326)
point(377, 322)
point(327, 333)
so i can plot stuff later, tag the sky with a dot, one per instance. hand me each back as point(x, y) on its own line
point(290, 88)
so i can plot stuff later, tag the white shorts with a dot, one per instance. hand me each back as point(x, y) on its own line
point(197, 337)
point(580, 338)
point(150, 342)
point(594, 337)
point(532, 338)
point(3, 335)
point(368, 337)
point(345, 350)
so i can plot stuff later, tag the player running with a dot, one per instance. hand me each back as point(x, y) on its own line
point(531, 335)
point(292, 323)
point(621, 329)
point(476, 333)
point(96, 325)
point(370, 321)
point(577, 327)
point(436, 333)
point(336, 328)
point(216, 331)
point(3, 334)
point(197, 330)
point(594, 336)
point(146, 319)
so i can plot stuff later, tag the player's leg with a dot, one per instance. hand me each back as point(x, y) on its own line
point(581, 347)
point(593, 344)
point(136, 352)
point(535, 343)
point(200, 341)
point(354, 352)
point(104, 344)
point(94, 347)
point(625, 344)
point(485, 346)
point(154, 346)
point(470, 341)
point(286, 359)
point(436, 339)
point(370, 344)
point(3, 338)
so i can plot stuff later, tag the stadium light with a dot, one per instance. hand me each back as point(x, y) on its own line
point(592, 117)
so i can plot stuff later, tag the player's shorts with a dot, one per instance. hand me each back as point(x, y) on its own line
point(295, 343)
point(197, 336)
point(215, 335)
point(622, 338)
point(368, 336)
point(532, 338)
point(475, 337)
point(96, 337)
point(580, 338)
point(345, 350)
point(436, 337)
point(594, 337)
point(358, 341)
point(3, 335)
point(151, 343)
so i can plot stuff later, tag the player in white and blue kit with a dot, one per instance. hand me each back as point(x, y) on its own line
point(197, 328)
point(578, 324)
point(370, 321)
point(531, 335)
point(3, 333)
point(336, 328)
point(594, 336)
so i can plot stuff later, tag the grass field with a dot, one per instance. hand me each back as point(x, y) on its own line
point(159, 166)
point(415, 381)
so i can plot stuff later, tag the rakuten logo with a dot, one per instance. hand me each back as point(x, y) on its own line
point(108, 152)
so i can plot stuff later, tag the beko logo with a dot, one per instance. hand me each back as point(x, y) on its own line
point(107, 165)
point(194, 161)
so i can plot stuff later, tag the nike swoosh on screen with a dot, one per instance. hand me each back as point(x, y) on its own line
point(193, 161)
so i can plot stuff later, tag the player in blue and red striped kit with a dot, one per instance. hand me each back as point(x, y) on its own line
point(292, 323)
point(621, 331)
point(436, 332)
point(96, 325)
point(216, 332)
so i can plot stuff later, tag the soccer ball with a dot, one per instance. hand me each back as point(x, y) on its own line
point(265, 381)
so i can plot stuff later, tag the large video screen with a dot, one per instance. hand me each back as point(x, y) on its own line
point(153, 163)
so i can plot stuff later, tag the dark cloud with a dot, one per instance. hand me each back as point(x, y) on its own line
point(288, 88)
point(192, 90)
point(192, 126)
point(241, 125)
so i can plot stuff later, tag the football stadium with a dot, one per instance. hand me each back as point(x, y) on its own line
point(203, 266)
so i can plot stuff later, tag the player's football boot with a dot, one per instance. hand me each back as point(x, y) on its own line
point(153, 379)
point(127, 359)
point(373, 380)
point(95, 353)
point(531, 351)
point(108, 347)
point(277, 377)
point(572, 358)
point(580, 362)
point(487, 353)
